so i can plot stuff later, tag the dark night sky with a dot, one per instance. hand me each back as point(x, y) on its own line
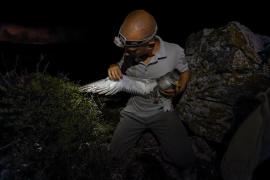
point(99, 22)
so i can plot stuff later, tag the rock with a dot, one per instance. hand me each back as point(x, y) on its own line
point(227, 74)
point(226, 70)
point(250, 145)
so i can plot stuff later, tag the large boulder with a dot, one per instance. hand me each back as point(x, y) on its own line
point(227, 74)
point(226, 71)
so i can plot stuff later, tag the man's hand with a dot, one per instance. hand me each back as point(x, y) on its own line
point(169, 92)
point(181, 85)
point(114, 72)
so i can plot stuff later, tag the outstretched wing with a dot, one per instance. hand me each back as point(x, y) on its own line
point(126, 84)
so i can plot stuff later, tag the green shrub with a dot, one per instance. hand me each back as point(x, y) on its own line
point(49, 130)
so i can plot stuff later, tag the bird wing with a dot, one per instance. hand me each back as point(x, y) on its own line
point(126, 84)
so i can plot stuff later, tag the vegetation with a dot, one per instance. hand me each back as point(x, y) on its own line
point(50, 130)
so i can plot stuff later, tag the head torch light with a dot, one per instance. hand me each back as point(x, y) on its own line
point(121, 40)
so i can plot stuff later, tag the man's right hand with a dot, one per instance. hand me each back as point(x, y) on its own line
point(114, 72)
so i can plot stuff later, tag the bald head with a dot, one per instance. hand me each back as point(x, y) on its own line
point(138, 25)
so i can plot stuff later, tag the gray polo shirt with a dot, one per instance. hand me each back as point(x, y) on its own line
point(170, 56)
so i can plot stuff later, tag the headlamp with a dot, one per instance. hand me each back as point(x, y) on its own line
point(121, 40)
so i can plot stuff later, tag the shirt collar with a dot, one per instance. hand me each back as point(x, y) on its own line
point(161, 54)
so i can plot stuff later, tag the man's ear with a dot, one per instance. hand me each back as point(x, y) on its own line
point(151, 45)
point(150, 48)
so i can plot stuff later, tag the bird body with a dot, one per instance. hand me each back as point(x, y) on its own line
point(132, 85)
point(127, 84)
point(138, 86)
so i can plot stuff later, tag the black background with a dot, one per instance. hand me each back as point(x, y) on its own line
point(89, 57)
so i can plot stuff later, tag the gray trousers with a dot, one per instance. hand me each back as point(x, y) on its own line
point(167, 128)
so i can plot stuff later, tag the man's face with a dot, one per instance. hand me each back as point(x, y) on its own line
point(141, 53)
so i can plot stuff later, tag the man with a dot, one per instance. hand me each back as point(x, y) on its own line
point(146, 55)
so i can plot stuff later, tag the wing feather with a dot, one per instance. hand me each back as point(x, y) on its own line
point(126, 84)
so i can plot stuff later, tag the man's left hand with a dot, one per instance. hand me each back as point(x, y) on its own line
point(169, 92)
point(180, 85)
